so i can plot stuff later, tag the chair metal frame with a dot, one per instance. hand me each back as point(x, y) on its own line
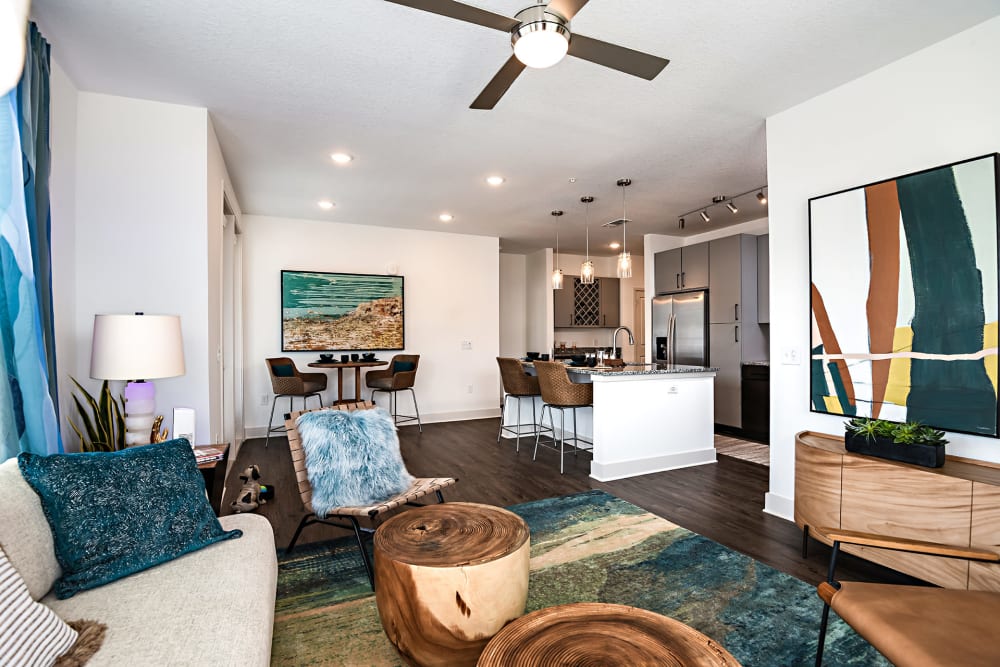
point(517, 430)
point(393, 406)
point(562, 439)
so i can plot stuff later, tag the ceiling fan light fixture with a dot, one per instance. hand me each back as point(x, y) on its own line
point(542, 39)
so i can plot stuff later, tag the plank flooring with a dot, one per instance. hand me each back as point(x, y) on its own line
point(722, 501)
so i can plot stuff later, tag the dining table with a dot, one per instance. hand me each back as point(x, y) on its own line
point(340, 366)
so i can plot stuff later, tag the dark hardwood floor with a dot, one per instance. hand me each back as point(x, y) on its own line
point(723, 502)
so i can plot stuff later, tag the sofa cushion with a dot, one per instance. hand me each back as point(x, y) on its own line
point(403, 366)
point(283, 370)
point(352, 458)
point(30, 633)
point(214, 606)
point(24, 532)
point(116, 513)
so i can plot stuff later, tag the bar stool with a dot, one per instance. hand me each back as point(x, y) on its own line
point(287, 380)
point(560, 393)
point(518, 385)
point(399, 376)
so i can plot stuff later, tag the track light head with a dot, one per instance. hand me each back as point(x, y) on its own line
point(761, 198)
point(705, 216)
point(732, 207)
point(680, 223)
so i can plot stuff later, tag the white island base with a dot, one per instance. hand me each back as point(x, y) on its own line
point(643, 421)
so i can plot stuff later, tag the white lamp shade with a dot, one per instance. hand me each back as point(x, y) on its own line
point(136, 347)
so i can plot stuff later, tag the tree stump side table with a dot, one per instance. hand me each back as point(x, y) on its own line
point(595, 633)
point(447, 578)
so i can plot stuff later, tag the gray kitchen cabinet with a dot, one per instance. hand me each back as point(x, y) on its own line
point(763, 280)
point(610, 301)
point(562, 303)
point(725, 353)
point(733, 279)
point(681, 269)
point(595, 305)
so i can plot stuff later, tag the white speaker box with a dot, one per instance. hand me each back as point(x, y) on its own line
point(184, 424)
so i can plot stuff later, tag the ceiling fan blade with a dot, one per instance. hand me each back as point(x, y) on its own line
point(616, 57)
point(567, 8)
point(499, 84)
point(462, 12)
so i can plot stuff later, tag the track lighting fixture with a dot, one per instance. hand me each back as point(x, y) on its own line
point(730, 203)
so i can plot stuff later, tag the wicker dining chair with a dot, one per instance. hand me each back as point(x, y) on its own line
point(560, 393)
point(286, 380)
point(351, 517)
point(399, 376)
point(518, 385)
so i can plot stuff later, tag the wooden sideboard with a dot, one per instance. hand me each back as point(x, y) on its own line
point(957, 504)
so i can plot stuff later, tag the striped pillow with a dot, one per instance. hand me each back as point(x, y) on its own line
point(30, 633)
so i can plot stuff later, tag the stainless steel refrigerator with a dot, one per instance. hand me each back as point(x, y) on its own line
point(680, 328)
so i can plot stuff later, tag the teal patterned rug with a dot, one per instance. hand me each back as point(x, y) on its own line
point(587, 547)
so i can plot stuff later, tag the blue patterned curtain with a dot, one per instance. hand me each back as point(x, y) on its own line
point(28, 420)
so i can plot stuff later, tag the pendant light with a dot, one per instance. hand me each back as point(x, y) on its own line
point(624, 259)
point(557, 272)
point(587, 268)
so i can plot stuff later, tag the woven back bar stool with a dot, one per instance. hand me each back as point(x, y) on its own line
point(560, 393)
point(287, 380)
point(518, 385)
point(399, 376)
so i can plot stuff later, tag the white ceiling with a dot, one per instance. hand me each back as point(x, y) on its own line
point(289, 81)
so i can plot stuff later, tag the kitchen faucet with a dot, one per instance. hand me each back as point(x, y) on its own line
point(614, 339)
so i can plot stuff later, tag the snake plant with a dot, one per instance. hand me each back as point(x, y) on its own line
point(102, 420)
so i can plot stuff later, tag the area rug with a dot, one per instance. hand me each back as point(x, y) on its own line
point(587, 547)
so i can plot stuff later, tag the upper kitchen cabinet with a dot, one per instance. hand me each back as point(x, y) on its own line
point(763, 280)
point(562, 303)
point(733, 277)
point(580, 305)
point(681, 269)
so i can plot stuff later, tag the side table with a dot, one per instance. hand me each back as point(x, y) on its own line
point(214, 472)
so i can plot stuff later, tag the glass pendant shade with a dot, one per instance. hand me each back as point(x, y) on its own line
point(557, 279)
point(624, 265)
point(587, 273)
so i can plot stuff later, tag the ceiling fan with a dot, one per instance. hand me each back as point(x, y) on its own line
point(541, 36)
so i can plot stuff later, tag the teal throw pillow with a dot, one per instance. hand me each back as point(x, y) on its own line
point(283, 370)
point(116, 513)
point(352, 458)
point(401, 366)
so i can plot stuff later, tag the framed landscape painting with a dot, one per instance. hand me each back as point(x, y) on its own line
point(340, 311)
point(903, 298)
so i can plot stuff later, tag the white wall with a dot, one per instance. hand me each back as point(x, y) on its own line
point(538, 302)
point(62, 193)
point(930, 108)
point(141, 173)
point(451, 293)
point(513, 306)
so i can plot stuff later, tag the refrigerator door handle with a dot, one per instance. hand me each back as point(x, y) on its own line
point(673, 338)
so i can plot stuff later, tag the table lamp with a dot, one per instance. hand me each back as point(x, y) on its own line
point(137, 348)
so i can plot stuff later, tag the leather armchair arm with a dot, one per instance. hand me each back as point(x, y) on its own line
point(378, 375)
point(312, 377)
point(904, 544)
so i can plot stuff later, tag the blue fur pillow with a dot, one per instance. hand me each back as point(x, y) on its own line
point(352, 458)
point(116, 513)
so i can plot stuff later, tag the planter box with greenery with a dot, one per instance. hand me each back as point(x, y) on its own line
point(909, 442)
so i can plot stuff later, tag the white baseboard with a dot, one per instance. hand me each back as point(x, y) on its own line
point(779, 506)
point(606, 472)
point(431, 418)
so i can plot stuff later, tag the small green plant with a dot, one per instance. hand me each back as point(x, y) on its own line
point(102, 420)
point(907, 433)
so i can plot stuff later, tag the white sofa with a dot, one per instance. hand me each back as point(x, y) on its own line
point(211, 607)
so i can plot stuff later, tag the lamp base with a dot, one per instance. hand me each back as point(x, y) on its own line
point(140, 412)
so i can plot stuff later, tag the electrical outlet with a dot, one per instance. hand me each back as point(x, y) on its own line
point(466, 344)
point(672, 389)
point(790, 356)
point(468, 389)
point(263, 400)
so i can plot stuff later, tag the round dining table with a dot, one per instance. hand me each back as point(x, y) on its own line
point(340, 366)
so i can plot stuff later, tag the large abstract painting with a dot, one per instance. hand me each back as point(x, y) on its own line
point(904, 282)
point(341, 311)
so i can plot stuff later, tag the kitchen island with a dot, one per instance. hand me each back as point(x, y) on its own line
point(646, 419)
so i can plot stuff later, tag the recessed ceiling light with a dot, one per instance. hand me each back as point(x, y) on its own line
point(341, 158)
point(325, 204)
point(495, 180)
point(446, 217)
point(614, 245)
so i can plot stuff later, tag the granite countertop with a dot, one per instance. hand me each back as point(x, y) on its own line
point(642, 369)
point(757, 363)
